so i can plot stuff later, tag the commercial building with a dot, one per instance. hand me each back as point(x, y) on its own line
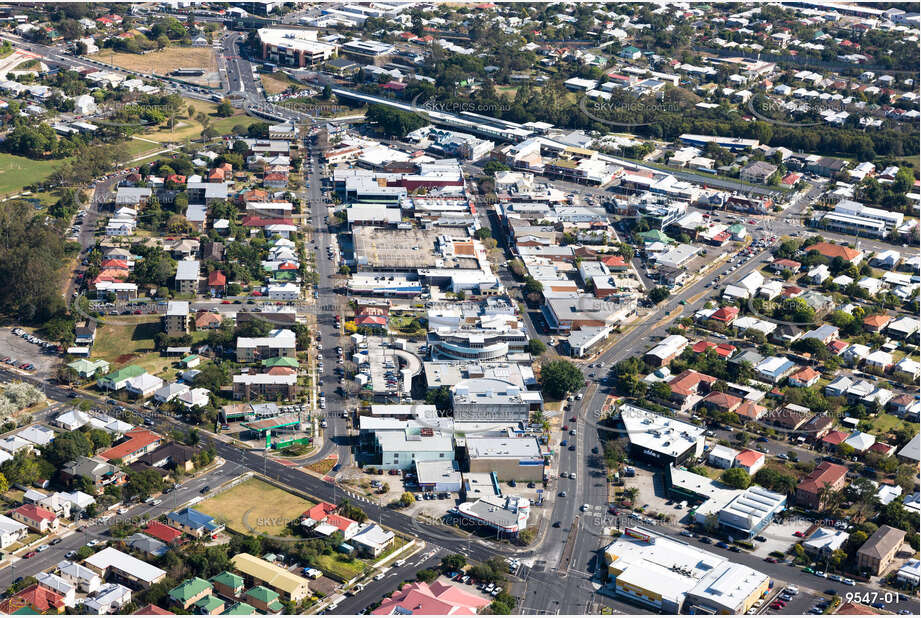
point(875, 555)
point(477, 344)
point(505, 514)
point(264, 386)
point(673, 577)
point(660, 439)
point(745, 514)
point(491, 399)
point(510, 459)
point(294, 47)
point(280, 342)
point(666, 350)
point(438, 476)
point(401, 444)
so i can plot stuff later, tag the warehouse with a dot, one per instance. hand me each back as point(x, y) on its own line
point(438, 476)
point(512, 459)
point(742, 514)
point(659, 439)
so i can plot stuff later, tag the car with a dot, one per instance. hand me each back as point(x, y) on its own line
point(798, 533)
point(379, 577)
point(56, 541)
point(687, 533)
point(594, 450)
point(762, 439)
point(772, 560)
point(807, 570)
point(123, 510)
point(93, 542)
point(847, 581)
point(562, 494)
point(29, 555)
point(878, 605)
point(722, 544)
point(565, 427)
point(43, 547)
point(563, 443)
point(205, 489)
point(586, 507)
point(820, 574)
point(735, 548)
point(70, 555)
point(157, 502)
point(760, 539)
point(572, 419)
point(705, 540)
point(572, 447)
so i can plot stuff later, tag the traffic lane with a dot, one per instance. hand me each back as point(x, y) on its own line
point(377, 590)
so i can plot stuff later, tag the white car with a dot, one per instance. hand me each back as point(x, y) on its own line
point(585, 507)
point(379, 577)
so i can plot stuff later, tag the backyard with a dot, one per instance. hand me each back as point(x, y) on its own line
point(256, 507)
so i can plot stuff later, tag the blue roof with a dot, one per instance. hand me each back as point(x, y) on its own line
point(190, 518)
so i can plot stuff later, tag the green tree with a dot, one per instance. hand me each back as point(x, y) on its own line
point(658, 294)
point(736, 477)
point(560, 377)
point(536, 347)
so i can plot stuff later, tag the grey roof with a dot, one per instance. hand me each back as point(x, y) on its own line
point(912, 450)
point(187, 270)
point(147, 544)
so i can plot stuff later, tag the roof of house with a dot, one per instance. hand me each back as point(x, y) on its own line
point(877, 321)
point(882, 542)
point(136, 440)
point(36, 597)
point(685, 382)
point(832, 251)
point(33, 512)
point(835, 437)
point(436, 598)
point(722, 400)
point(750, 409)
point(805, 375)
point(190, 518)
point(228, 579)
point(748, 458)
point(189, 589)
point(153, 610)
point(725, 314)
point(165, 533)
point(217, 278)
point(825, 473)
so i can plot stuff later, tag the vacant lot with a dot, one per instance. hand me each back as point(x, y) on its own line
point(255, 507)
point(164, 61)
point(339, 566)
point(130, 340)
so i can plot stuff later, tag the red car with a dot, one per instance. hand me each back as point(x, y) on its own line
point(798, 533)
point(565, 427)
point(29, 555)
point(772, 560)
point(572, 418)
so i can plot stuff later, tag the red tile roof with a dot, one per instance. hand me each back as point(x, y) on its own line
point(343, 523)
point(153, 610)
point(832, 251)
point(725, 314)
point(835, 437)
point(34, 512)
point(165, 533)
point(254, 221)
point(435, 599)
point(687, 382)
point(723, 400)
point(216, 279)
point(882, 448)
point(41, 599)
point(318, 512)
point(876, 321)
point(826, 473)
point(748, 458)
point(805, 375)
point(750, 410)
point(136, 440)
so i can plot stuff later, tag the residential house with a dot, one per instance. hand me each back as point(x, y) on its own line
point(878, 551)
point(826, 476)
point(35, 517)
point(194, 523)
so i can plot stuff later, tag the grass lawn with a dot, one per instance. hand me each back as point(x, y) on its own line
point(323, 466)
point(189, 128)
point(133, 335)
point(884, 423)
point(339, 565)
point(18, 172)
point(255, 507)
point(165, 60)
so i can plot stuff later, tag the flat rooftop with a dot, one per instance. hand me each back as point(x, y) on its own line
point(409, 249)
point(503, 448)
point(659, 433)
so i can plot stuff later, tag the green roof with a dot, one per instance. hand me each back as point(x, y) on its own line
point(655, 236)
point(281, 361)
point(736, 228)
point(27, 610)
point(261, 593)
point(84, 365)
point(231, 580)
point(240, 609)
point(189, 358)
point(275, 606)
point(189, 589)
point(210, 604)
point(129, 371)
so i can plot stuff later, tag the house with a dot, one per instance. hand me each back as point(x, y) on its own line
point(757, 172)
point(228, 584)
point(817, 427)
point(831, 251)
point(774, 369)
point(722, 456)
point(118, 380)
point(146, 545)
point(878, 551)
point(164, 533)
point(144, 385)
point(824, 333)
point(207, 319)
point(860, 441)
point(60, 586)
point(263, 599)
point(110, 598)
point(878, 361)
point(77, 575)
point(35, 517)
point(11, 531)
point(750, 461)
point(907, 369)
point(904, 327)
point(790, 417)
point(725, 315)
point(876, 323)
point(189, 592)
point(722, 402)
point(372, 540)
point(194, 523)
point(804, 377)
point(137, 442)
point(187, 276)
point(217, 283)
point(435, 599)
point(112, 563)
point(689, 387)
point(99, 472)
point(824, 541)
point(87, 369)
point(826, 475)
point(34, 599)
